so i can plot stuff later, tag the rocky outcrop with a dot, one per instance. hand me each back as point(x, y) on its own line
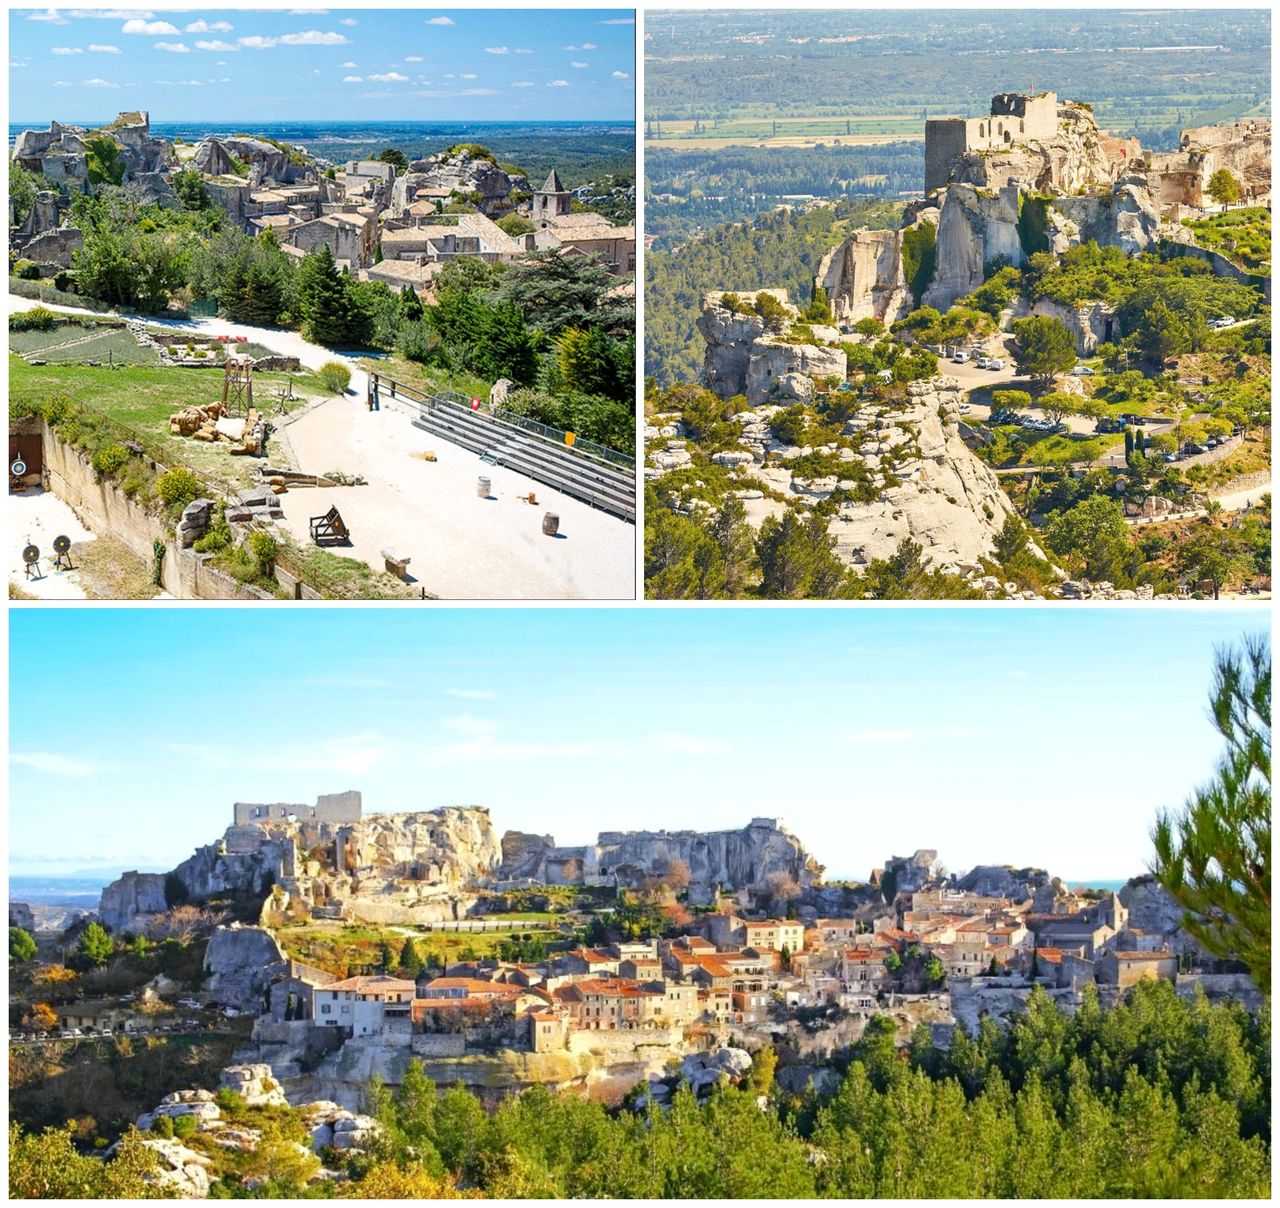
point(180, 1172)
point(932, 490)
point(863, 278)
point(461, 173)
point(241, 963)
point(1151, 907)
point(779, 372)
point(1091, 323)
point(744, 356)
point(906, 874)
point(732, 859)
point(1002, 881)
point(523, 855)
point(213, 159)
point(974, 229)
point(385, 868)
point(129, 902)
point(255, 1084)
point(20, 916)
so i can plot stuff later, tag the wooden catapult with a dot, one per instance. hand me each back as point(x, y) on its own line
point(237, 386)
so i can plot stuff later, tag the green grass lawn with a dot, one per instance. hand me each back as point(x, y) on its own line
point(143, 397)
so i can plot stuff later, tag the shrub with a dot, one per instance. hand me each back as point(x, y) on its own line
point(263, 548)
point(184, 1126)
point(28, 270)
point(109, 459)
point(334, 376)
point(38, 318)
point(178, 487)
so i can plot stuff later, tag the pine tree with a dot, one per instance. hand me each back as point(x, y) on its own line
point(1215, 856)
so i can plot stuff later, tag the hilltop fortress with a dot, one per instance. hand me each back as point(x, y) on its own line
point(1035, 174)
point(331, 861)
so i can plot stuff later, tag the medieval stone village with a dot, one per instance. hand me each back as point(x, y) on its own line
point(755, 950)
point(297, 449)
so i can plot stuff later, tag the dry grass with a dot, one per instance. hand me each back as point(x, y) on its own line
point(109, 570)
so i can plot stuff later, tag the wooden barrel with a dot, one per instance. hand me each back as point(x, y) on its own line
point(550, 524)
point(482, 487)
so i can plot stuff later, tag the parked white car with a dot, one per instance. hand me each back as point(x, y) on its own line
point(961, 358)
point(994, 363)
point(1083, 371)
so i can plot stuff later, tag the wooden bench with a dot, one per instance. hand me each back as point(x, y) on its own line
point(330, 529)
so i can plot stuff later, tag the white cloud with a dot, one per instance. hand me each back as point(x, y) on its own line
point(685, 744)
point(579, 64)
point(205, 27)
point(557, 83)
point(621, 75)
point(584, 46)
point(174, 48)
point(181, 83)
point(523, 84)
point(215, 44)
point(348, 21)
point(51, 15)
point(310, 37)
point(150, 29)
point(348, 64)
point(496, 50)
point(619, 21)
point(523, 50)
point(438, 21)
point(413, 58)
point(111, 14)
point(471, 693)
point(470, 75)
point(16, 63)
point(67, 50)
point(100, 83)
point(52, 765)
point(100, 49)
point(879, 737)
point(389, 77)
point(308, 12)
point(353, 79)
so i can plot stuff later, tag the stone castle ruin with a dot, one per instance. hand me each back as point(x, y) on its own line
point(1082, 184)
point(1014, 117)
point(329, 807)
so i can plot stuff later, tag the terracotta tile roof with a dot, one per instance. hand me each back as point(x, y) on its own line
point(477, 986)
point(378, 983)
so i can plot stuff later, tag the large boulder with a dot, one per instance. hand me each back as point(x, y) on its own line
point(181, 1171)
point(255, 1084)
point(241, 963)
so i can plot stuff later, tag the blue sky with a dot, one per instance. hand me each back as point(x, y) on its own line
point(1030, 736)
point(84, 65)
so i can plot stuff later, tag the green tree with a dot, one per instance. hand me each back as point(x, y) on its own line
point(1214, 856)
point(1161, 333)
point(732, 535)
point(1224, 188)
point(682, 561)
point(1216, 553)
point(390, 155)
point(410, 958)
point(103, 159)
point(1045, 347)
point(1092, 533)
point(22, 946)
point(95, 944)
point(797, 558)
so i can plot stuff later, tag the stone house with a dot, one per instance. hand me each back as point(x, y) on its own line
point(610, 1004)
point(329, 807)
point(1128, 968)
point(863, 970)
point(732, 931)
point(362, 1005)
point(351, 237)
point(94, 1014)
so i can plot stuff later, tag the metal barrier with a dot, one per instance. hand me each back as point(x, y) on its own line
point(555, 436)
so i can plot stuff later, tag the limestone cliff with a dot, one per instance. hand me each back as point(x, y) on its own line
point(241, 963)
point(732, 859)
point(863, 278)
point(744, 356)
point(1002, 881)
point(936, 493)
point(418, 867)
